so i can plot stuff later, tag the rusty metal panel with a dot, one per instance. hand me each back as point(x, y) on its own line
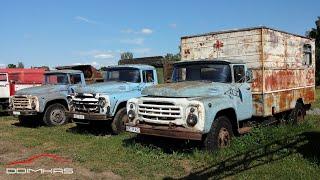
point(276, 58)
point(244, 45)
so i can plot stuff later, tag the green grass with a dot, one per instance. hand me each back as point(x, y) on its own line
point(317, 103)
point(270, 152)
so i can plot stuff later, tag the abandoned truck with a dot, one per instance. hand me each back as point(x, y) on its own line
point(107, 101)
point(213, 96)
point(14, 79)
point(49, 102)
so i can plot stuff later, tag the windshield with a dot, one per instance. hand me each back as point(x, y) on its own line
point(3, 77)
point(56, 79)
point(205, 72)
point(123, 74)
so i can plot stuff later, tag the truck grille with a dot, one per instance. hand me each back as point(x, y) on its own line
point(159, 111)
point(86, 104)
point(21, 102)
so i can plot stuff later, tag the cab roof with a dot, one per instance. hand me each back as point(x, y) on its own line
point(69, 71)
point(137, 66)
point(210, 61)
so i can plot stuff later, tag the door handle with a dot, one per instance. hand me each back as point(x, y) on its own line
point(248, 88)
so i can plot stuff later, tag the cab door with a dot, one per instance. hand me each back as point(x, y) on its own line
point(4, 86)
point(75, 81)
point(149, 77)
point(244, 98)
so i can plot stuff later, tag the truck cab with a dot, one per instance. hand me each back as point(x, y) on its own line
point(206, 101)
point(107, 101)
point(48, 101)
point(14, 79)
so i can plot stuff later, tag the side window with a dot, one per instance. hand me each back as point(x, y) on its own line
point(307, 55)
point(75, 78)
point(148, 76)
point(239, 74)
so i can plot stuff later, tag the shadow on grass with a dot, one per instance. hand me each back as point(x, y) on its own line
point(307, 144)
point(167, 145)
point(97, 129)
point(30, 122)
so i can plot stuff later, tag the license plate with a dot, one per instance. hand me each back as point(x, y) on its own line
point(133, 129)
point(78, 116)
point(16, 113)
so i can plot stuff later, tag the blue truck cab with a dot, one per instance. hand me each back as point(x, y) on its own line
point(106, 101)
point(49, 101)
point(206, 100)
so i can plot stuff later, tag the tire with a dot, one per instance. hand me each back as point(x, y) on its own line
point(219, 135)
point(119, 121)
point(55, 115)
point(296, 116)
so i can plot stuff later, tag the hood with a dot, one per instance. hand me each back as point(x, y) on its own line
point(107, 87)
point(39, 90)
point(187, 89)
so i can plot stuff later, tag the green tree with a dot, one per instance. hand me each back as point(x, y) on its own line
point(315, 34)
point(126, 55)
point(172, 57)
point(12, 66)
point(20, 65)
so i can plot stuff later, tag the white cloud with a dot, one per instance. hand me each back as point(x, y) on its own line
point(104, 56)
point(146, 31)
point(136, 41)
point(85, 19)
point(2, 65)
point(173, 25)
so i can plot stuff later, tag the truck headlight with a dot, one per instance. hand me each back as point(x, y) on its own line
point(131, 114)
point(102, 102)
point(69, 99)
point(192, 118)
point(132, 106)
point(33, 103)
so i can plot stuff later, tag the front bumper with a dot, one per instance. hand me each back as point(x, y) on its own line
point(23, 112)
point(164, 131)
point(83, 117)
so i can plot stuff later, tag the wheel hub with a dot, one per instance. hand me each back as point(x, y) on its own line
point(57, 116)
point(224, 138)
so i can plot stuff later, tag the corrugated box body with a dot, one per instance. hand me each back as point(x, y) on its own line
point(283, 64)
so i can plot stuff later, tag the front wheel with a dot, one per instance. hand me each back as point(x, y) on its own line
point(219, 135)
point(55, 115)
point(119, 121)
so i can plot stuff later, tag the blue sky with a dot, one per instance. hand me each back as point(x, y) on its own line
point(56, 32)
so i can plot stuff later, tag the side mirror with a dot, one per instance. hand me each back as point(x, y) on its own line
point(249, 76)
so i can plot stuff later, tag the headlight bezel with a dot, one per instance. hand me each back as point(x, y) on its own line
point(192, 115)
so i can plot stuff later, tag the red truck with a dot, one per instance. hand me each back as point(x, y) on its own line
point(14, 79)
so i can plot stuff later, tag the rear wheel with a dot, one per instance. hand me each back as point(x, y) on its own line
point(296, 116)
point(219, 135)
point(119, 121)
point(55, 115)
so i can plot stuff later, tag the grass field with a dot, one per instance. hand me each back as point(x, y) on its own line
point(282, 152)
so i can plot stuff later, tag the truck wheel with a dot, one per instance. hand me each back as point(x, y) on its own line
point(219, 135)
point(297, 115)
point(119, 121)
point(55, 115)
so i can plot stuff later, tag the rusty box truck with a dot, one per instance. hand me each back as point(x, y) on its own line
point(226, 81)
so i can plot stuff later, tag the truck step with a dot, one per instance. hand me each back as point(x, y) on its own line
point(244, 130)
